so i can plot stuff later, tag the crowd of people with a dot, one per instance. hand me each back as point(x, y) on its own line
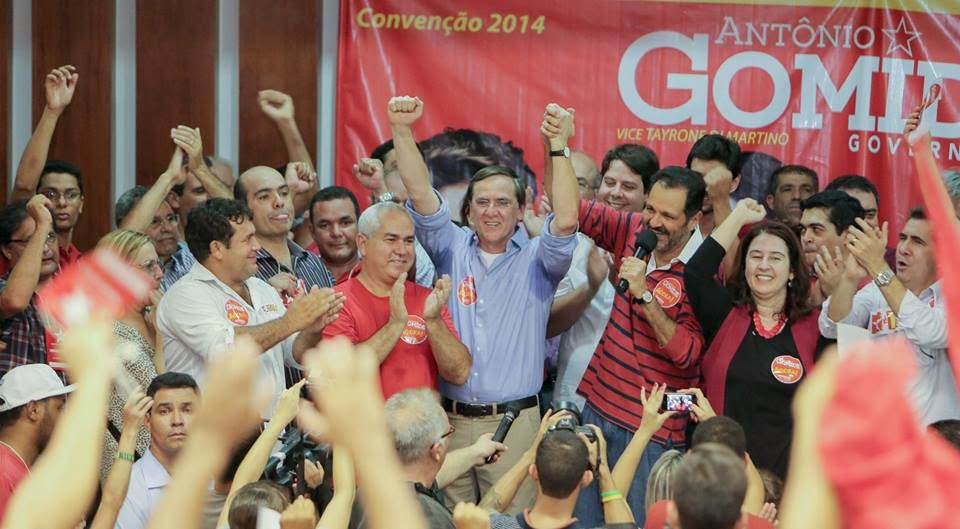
point(650, 341)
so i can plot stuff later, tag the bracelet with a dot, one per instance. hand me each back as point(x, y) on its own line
point(613, 497)
point(610, 493)
point(125, 456)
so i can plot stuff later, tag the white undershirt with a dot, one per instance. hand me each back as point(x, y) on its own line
point(489, 258)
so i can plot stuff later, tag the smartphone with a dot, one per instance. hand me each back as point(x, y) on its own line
point(679, 402)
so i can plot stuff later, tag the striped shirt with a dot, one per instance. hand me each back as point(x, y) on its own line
point(307, 267)
point(629, 357)
point(177, 266)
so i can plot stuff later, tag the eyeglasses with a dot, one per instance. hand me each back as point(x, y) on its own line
point(449, 432)
point(170, 219)
point(50, 241)
point(150, 265)
point(70, 196)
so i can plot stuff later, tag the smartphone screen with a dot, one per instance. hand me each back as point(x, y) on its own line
point(678, 402)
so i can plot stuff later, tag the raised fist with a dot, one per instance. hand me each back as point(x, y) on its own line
point(275, 104)
point(404, 110)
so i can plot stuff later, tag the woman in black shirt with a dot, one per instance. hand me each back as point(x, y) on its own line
point(762, 334)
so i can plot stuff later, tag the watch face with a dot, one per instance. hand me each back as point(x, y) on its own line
point(647, 297)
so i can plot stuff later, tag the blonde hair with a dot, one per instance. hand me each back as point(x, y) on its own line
point(124, 242)
point(660, 482)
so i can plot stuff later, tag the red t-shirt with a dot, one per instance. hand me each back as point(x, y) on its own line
point(411, 363)
point(12, 472)
point(657, 518)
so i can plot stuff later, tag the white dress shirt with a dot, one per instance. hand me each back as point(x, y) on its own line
point(578, 343)
point(148, 479)
point(197, 318)
point(923, 323)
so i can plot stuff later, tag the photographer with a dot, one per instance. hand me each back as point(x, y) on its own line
point(421, 434)
point(562, 460)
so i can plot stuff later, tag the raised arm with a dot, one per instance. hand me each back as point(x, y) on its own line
point(403, 112)
point(337, 513)
point(141, 216)
point(226, 414)
point(349, 413)
point(500, 495)
point(650, 423)
point(278, 106)
point(76, 443)
point(564, 193)
point(727, 233)
point(115, 486)
point(26, 273)
point(253, 463)
point(190, 141)
point(59, 87)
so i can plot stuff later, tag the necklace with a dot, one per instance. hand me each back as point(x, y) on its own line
point(12, 449)
point(758, 324)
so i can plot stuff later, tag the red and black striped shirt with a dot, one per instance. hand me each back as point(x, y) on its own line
point(628, 356)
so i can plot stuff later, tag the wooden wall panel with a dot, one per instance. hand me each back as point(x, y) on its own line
point(80, 33)
point(176, 77)
point(6, 47)
point(279, 49)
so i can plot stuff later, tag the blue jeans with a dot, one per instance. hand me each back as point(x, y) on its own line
point(589, 510)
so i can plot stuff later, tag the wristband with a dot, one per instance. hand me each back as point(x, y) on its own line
point(125, 456)
point(614, 497)
point(609, 493)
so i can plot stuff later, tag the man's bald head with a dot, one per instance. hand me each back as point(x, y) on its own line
point(240, 187)
point(586, 171)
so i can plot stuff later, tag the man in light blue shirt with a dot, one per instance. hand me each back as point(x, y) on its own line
point(504, 285)
point(175, 397)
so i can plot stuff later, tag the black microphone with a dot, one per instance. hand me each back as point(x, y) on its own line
point(646, 242)
point(505, 423)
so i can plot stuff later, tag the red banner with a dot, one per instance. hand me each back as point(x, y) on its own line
point(823, 86)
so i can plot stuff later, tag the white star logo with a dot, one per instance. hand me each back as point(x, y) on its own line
point(894, 33)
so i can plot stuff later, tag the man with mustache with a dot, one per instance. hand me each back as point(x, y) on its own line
point(281, 262)
point(789, 186)
point(175, 398)
point(29, 243)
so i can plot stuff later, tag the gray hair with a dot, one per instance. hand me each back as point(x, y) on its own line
point(126, 202)
point(660, 482)
point(951, 177)
point(416, 422)
point(369, 221)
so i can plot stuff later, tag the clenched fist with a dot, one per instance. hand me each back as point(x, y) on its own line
point(404, 110)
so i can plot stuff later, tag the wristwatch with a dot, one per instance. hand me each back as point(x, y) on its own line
point(385, 197)
point(565, 152)
point(644, 298)
point(884, 278)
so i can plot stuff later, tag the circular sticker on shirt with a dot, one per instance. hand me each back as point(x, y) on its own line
point(786, 369)
point(415, 331)
point(236, 313)
point(467, 291)
point(668, 292)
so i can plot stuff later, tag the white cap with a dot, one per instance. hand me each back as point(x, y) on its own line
point(31, 382)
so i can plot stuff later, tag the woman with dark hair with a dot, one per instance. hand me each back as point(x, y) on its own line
point(762, 333)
